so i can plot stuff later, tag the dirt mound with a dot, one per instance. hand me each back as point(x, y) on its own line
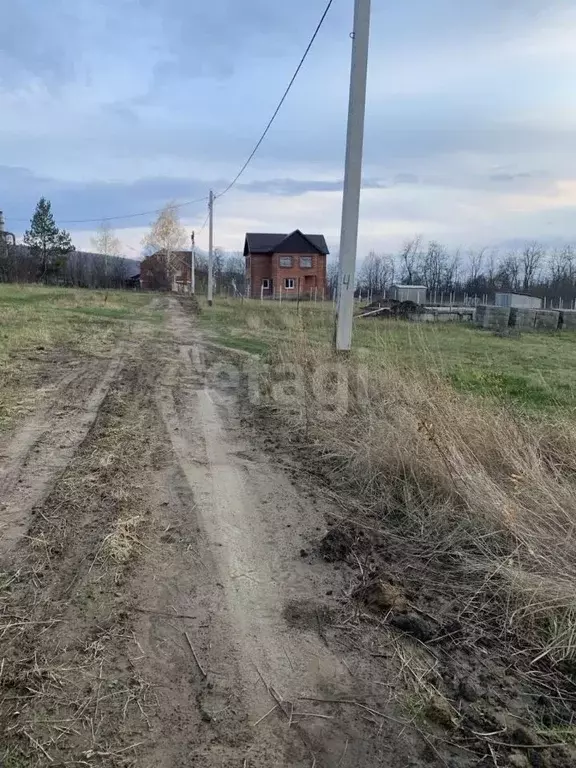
point(466, 682)
point(391, 308)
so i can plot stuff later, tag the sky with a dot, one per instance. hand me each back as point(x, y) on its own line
point(114, 107)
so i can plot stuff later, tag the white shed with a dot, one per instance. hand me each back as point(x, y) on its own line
point(518, 300)
point(415, 293)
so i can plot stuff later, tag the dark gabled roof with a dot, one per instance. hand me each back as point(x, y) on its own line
point(264, 242)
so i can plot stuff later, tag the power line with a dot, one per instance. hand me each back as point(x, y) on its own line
point(242, 169)
point(203, 227)
point(281, 102)
point(128, 215)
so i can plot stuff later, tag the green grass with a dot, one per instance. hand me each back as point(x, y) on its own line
point(533, 371)
point(115, 313)
point(37, 322)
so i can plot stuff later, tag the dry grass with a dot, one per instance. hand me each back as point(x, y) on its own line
point(465, 481)
point(39, 326)
point(120, 543)
point(65, 689)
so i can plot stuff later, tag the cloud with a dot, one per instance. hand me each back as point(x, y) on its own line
point(122, 105)
point(504, 177)
point(406, 178)
point(290, 187)
point(73, 201)
point(35, 39)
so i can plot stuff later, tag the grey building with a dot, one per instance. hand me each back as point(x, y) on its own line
point(415, 293)
point(518, 300)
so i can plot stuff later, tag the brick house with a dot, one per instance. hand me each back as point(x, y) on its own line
point(285, 265)
point(154, 275)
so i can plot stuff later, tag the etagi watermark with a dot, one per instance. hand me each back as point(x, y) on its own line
point(329, 389)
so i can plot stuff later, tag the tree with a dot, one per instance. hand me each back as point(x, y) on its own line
point(532, 258)
point(166, 237)
point(563, 265)
point(106, 243)
point(218, 258)
point(433, 265)
point(451, 271)
point(332, 279)
point(476, 260)
point(410, 256)
point(509, 273)
point(46, 242)
point(376, 273)
point(234, 271)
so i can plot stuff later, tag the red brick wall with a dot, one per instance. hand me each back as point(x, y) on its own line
point(268, 267)
point(154, 276)
point(316, 274)
point(260, 269)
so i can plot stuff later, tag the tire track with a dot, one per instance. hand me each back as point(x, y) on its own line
point(44, 445)
point(255, 523)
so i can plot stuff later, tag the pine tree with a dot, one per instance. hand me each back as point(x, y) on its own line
point(46, 242)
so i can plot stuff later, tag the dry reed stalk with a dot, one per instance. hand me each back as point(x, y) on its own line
point(455, 474)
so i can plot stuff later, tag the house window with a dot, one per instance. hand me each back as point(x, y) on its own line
point(266, 284)
point(289, 283)
point(305, 262)
point(286, 261)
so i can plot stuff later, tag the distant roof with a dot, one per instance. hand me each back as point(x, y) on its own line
point(402, 285)
point(265, 242)
point(183, 254)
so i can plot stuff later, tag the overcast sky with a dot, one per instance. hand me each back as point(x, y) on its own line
point(111, 107)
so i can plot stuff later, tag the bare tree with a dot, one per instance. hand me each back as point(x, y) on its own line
point(218, 259)
point(492, 268)
point(509, 272)
point(434, 264)
point(451, 271)
point(410, 256)
point(332, 278)
point(234, 271)
point(166, 237)
point(106, 243)
point(476, 261)
point(376, 273)
point(563, 265)
point(533, 257)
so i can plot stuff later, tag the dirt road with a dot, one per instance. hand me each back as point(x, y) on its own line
point(162, 602)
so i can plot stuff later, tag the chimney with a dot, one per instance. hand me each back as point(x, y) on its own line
point(1, 222)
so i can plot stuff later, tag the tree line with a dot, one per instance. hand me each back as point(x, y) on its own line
point(534, 268)
point(47, 255)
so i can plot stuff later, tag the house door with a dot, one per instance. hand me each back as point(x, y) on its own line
point(309, 283)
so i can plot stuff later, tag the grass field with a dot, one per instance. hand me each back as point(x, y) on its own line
point(465, 444)
point(446, 464)
point(533, 371)
point(38, 324)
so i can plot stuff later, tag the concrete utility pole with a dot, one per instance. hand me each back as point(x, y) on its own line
point(210, 246)
point(352, 175)
point(192, 266)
